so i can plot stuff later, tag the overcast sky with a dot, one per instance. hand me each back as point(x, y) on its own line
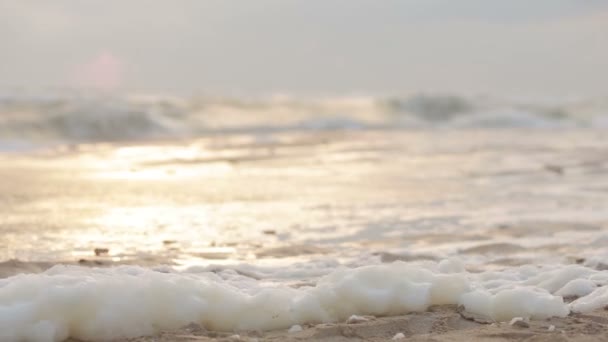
point(320, 47)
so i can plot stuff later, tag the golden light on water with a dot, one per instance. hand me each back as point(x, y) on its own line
point(156, 162)
point(230, 201)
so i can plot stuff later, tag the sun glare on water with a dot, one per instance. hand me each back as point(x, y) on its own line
point(158, 162)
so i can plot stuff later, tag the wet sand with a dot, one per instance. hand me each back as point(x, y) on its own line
point(441, 323)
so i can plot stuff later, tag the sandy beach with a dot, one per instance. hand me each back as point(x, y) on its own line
point(441, 323)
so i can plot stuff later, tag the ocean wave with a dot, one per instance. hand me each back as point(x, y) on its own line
point(74, 118)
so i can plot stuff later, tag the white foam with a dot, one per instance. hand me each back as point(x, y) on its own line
point(516, 319)
point(122, 302)
point(525, 302)
point(577, 287)
point(596, 300)
point(295, 328)
point(398, 336)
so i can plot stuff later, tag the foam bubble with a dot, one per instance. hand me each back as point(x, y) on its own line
point(520, 302)
point(596, 300)
point(577, 288)
point(123, 302)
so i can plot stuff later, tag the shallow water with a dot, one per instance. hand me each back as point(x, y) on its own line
point(491, 197)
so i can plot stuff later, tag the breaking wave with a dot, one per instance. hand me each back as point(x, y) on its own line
point(78, 118)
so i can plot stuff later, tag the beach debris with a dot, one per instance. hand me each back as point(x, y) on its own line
point(295, 328)
point(269, 232)
point(90, 262)
point(473, 316)
point(169, 242)
point(398, 336)
point(354, 319)
point(101, 251)
point(519, 322)
point(555, 169)
point(551, 328)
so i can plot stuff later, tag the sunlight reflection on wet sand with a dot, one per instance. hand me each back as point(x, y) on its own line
point(218, 200)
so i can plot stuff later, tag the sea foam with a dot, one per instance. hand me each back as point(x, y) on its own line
point(127, 301)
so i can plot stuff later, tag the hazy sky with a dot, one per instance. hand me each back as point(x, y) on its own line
point(518, 47)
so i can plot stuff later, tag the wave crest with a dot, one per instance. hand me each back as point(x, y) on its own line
point(75, 118)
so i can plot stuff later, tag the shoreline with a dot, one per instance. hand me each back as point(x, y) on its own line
point(439, 323)
point(446, 322)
